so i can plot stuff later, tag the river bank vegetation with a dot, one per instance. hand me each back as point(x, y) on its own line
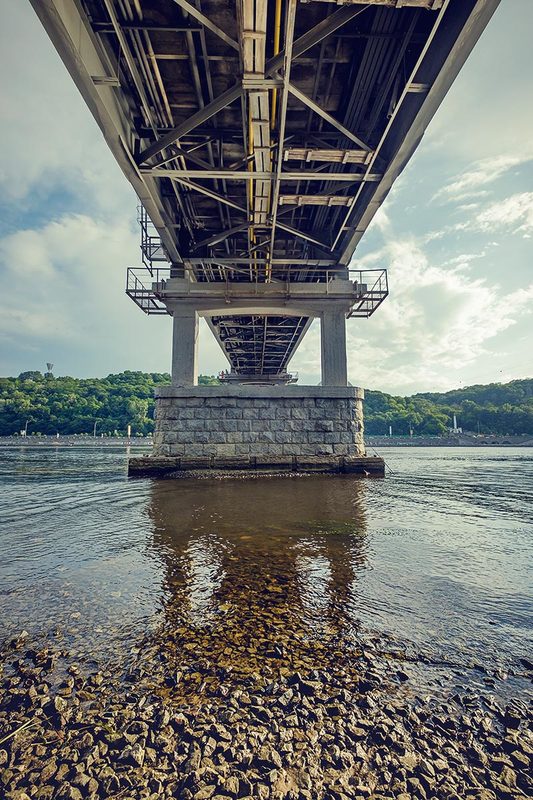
point(44, 404)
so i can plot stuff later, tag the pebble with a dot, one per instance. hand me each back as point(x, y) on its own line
point(299, 724)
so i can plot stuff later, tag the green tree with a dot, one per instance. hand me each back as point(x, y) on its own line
point(70, 405)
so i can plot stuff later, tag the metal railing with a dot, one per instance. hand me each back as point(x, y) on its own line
point(144, 295)
point(377, 289)
point(372, 284)
point(251, 378)
point(151, 246)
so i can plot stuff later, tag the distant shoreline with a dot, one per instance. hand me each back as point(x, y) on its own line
point(75, 441)
point(460, 440)
point(482, 440)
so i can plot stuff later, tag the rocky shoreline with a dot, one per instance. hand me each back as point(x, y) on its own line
point(333, 720)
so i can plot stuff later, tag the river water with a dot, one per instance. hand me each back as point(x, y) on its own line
point(437, 554)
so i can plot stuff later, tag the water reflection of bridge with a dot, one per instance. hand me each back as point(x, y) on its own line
point(252, 568)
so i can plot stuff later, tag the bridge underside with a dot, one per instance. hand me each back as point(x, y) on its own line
point(261, 137)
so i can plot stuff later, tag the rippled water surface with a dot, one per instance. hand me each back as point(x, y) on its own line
point(438, 553)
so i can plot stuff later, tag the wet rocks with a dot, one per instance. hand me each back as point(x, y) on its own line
point(236, 717)
point(132, 755)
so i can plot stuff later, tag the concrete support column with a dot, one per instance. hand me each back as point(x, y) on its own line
point(333, 348)
point(184, 347)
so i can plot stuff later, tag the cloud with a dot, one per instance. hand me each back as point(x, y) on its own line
point(508, 215)
point(439, 320)
point(514, 212)
point(62, 293)
point(53, 276)
point(470, 183)
point(52, 141)
point(31, 324)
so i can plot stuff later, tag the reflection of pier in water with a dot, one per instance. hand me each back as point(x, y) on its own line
point(259, 571)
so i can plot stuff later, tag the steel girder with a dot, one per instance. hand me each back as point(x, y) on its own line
point(262, 150)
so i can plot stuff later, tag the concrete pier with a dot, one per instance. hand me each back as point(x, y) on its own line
point(333, 349)
point(257, 421)
point(184, 346)
point(261, 423)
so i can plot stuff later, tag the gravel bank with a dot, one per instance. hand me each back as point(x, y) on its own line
point(341, 720)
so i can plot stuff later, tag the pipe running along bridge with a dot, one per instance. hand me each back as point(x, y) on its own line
point(261, 137)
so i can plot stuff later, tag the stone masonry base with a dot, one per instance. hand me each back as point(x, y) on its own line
point(251, 466)
point(257, 422)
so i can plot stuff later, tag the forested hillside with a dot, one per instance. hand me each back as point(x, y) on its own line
point(73, 405)
point(494, 408)
point(70, 405)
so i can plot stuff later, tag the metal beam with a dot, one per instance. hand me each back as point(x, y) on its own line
point(201, 116)
point(181, 153)
point(206, 22)
point(330, 155)
point(209, 193)
point(430, 5)
point(314, 36)
point(300, 262)
point(242, 175)
point(104, 27)
point(302, 235)
point(130, 62)
point(314, 200)
point(327, 117)
point(282, 226)
point(290, 19)
point(219, 237)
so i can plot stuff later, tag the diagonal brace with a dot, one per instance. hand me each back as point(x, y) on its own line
point(327, 117)
point(206, 22)
point(209, 193)
point(315, 35)
point(302, 235)
point(219, 237)
point(201, 116)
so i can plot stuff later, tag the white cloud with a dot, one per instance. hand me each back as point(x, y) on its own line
point(514, 213)
point(463, 260)
point(62, 289)
point(52, 276)
point(468, 185)
point(31, 324)
point(467, 207)
point(438, 321)
point(507, 215)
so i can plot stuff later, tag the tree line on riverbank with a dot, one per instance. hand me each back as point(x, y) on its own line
point(44, 404)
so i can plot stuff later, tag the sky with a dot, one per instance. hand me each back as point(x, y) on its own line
point(455, 233)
